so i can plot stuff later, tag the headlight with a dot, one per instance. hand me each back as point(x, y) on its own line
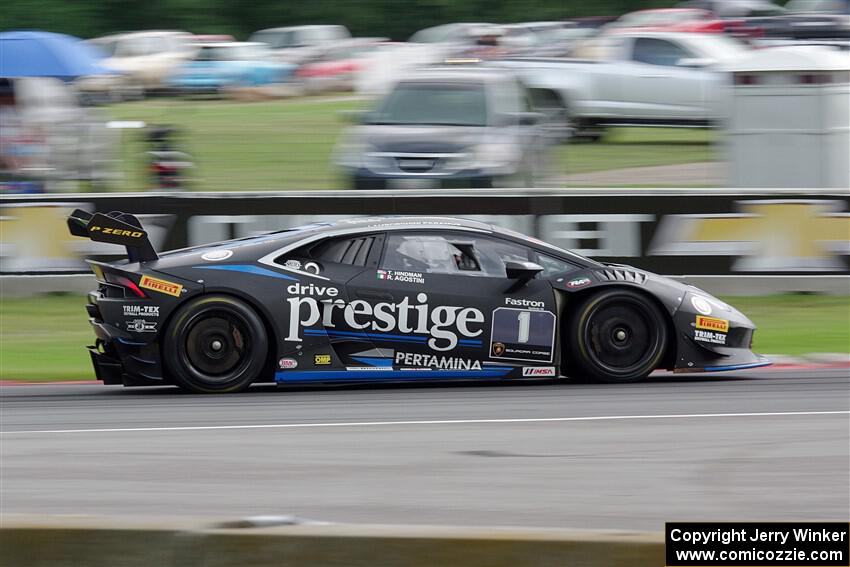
point(349, 154)
point(496, 155)
point(707, 305)
point(359, 155)
point(374, 162)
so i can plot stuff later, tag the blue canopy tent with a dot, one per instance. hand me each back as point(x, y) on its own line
point(46, 54)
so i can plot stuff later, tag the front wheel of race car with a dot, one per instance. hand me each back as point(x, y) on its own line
point(215, 344)
point(616, 336)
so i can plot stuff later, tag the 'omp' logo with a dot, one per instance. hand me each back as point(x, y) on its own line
point(161, 286)
point(712, 324)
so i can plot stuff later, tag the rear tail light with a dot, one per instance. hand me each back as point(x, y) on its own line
point(126, 283)
point(814, 78)
point(742, 79)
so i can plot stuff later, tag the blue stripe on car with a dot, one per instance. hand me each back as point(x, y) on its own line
point(377, 375)
point(737, 366)
point(247, 269)
point(374, 361)
point(381, 336)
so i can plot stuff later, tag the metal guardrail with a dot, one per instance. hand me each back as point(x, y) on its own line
point(701, 232)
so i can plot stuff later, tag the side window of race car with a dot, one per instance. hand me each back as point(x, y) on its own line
point(351, 251)
point(458, 254)
point(494, 252)
point(429, 253)
point(553, 266)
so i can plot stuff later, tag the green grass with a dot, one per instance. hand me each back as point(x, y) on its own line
point(42, 338)
point(287, 144)
point(242, 146)
point(637, 147)
point(798, 323)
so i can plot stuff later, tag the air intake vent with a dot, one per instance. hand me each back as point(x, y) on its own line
point(623, 275)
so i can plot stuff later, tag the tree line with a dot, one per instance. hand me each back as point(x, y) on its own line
point(395, 19)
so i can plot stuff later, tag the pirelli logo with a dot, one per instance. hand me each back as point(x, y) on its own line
point(712, 324)
point(161, 286)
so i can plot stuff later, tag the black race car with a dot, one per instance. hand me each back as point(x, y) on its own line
point(389, 299)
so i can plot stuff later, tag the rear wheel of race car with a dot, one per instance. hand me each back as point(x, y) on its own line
point(215, 344)
point(615, 336)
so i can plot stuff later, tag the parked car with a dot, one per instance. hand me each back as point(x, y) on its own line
point(555, 39)
point(696, 20)
point(692, 19)
point(299, 44)
point(337, 68)
point(462, 33)
point(218, 66)
point(146, 60)
point(446, 127)
point(809, 20)
point(657, 78)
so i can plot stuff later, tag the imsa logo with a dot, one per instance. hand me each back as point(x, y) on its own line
point(538, 371)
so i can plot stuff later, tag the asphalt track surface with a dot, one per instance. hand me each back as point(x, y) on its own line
point(752, 445)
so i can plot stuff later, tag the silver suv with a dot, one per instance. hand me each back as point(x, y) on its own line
point(446, 127)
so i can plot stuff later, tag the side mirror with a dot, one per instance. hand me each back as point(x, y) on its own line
point(694, 62)
point(530, 118)
point(521, 118)
point(522, 271)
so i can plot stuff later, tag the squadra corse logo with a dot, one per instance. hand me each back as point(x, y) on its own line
point(310, 304)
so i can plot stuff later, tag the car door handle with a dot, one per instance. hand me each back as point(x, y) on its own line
point(381, 295)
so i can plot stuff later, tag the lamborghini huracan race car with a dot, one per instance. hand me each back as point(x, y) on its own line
point(390, 299)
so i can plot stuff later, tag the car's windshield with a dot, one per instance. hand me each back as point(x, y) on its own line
point(721, 47)
point(275, 39)
point(819, 6)
point(448, 104)
point(444, 33)
point(545, 245)
point(106, 46)
point(231, 53)
point(660, 18)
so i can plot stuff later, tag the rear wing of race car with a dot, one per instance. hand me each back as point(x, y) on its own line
point(115, 228)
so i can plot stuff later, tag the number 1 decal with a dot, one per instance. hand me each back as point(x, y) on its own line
point(522, 334)
point(524, 319)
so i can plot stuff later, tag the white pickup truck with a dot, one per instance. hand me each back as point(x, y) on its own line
point(632, 78)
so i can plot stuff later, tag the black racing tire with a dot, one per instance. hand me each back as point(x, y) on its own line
point(615, 336)
point(215, 344)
